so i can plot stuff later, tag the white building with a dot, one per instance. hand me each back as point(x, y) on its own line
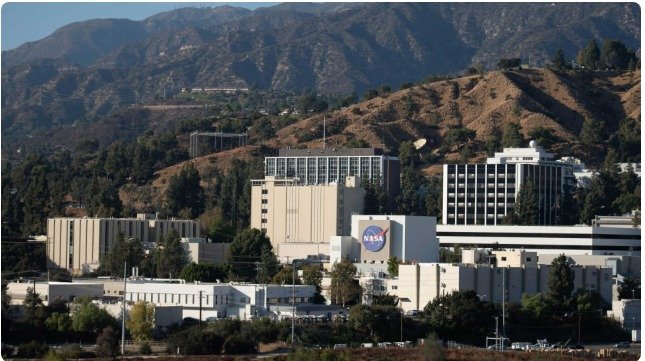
point(627, 312)
point(54, 291)
point(570, 240)
point(486, 193)
point(420, 283)
point(376, 238)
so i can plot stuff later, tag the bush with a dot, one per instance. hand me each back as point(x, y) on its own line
point(239, 344)
point(194, 341)
point(32, 349)
point(107, 344)
point(433, 349)
point(263, 330)
point(53, 356)
point(144, 348)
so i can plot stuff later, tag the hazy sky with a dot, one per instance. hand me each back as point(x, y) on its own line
point(23, 22)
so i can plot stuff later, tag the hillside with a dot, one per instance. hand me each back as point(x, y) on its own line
point(531, 98)
point(331, 49)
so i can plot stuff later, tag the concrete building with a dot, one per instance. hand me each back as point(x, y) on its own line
point(627, 312)
point(420, 283)
point(328, 165)
point(54, 291)
point(199, 250)
point(292, 213)
point(78, 244)
point(570, 240)
point(620, 265)
point(486, 193)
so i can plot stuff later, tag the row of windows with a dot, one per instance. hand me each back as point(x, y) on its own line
point(314, 170)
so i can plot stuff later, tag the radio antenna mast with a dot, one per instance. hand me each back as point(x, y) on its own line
point(324, 132)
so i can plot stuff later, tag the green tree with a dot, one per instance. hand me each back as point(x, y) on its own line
point(568, 208)
point(312, 275)
point(589, 57)
point(59, 323)
point(370, 94)
point(268, 266)
point(122, 250)
point(560, 282)
point(118, 162)
point(393, 266)
point(141, 321)
point(615, 55)
point(35, 313)
point(527, 207)
point(510, 63)
point(559, 60)
point(545, 137)
point(512, 136)
point(627, 140)
point(375, 199)
point(309, 102)
point(592, 131)
point(631, 288)
point(345, 289)
point(89, 318)
point(103, 198)
point(184, 193)
point(538, 306)
point(204, 272)
point(243, 252)
point(194, 341)
point(34, 212)
point(285, 276)
point(171, 257)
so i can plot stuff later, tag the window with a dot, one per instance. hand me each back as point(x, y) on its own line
point(265, 201)
point(265, 191)
point(264, 220)
point(395, 287)
point(503, 258)
point(264, 211)
point(528, 259)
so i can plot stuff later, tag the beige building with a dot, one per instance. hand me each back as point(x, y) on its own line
point(77, 244)
point(292, 213)
point(418, 284)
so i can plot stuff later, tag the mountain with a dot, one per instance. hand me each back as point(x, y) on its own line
point(332, 48)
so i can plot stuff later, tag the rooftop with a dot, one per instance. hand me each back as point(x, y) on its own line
point(329, 152)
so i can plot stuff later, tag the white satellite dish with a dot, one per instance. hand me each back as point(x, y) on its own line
point(419, 143)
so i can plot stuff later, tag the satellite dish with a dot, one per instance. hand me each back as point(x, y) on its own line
point(418, 144)
point(533, 144)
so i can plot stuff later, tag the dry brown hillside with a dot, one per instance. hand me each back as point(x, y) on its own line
point(530, 97)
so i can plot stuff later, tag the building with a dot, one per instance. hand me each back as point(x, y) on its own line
point(50, 292)
point(570, 240)
point(297, 217)
point(78, 244)
point(329, 165)
point(486, 193)
point(199, 250)
point(627, 312)
point(620, 265)
point(420, 283)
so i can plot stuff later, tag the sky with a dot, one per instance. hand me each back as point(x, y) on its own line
point(29, 21)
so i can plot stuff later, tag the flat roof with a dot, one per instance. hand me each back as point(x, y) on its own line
point(329, 152)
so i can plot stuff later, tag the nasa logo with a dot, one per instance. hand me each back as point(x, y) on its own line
point(374, 238)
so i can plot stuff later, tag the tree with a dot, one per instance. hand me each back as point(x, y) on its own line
point(122, 250)
point(370, 94)
point(631, 288)
point(59, 323)
point(510, 63)
point(268, 266)
point(35, 313)
point(312, 275)
point(171, 257)
point(559, 61)
point(141, 321)
point(184, 193)
point(589, 57)
point(458, 315)
point(89, 318)
point(545, 137)
point(107, 343)
point(592, 131)
point(240, 344)
point(243, 252)
point(204, 272)
point(512, 136)
point(538, 306)
point(568, 206)
point(393, 266)
point(560, 282)
point(309, 102)
point(194, 341)
point(527, 207)
point(344, 288)
point(286, 277)
point(375, 199)
point(615, 55)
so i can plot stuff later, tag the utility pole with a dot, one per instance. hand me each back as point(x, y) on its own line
point(125, 275)
point(503, 306)
point(324, 132)
point(401, 324)
point(200, 309)
point(293, 303)
point(497, 332)
point(579, 328)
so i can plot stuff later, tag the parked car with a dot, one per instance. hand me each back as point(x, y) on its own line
point(622, 345)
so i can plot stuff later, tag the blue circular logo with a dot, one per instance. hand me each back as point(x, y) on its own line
point(374, 238)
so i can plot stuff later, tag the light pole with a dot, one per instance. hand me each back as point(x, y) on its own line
point(293, 303)
point(125, 275)
point(497, 332)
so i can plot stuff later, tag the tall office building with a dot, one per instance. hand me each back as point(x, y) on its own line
point(328, 165)
point(485, 193)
